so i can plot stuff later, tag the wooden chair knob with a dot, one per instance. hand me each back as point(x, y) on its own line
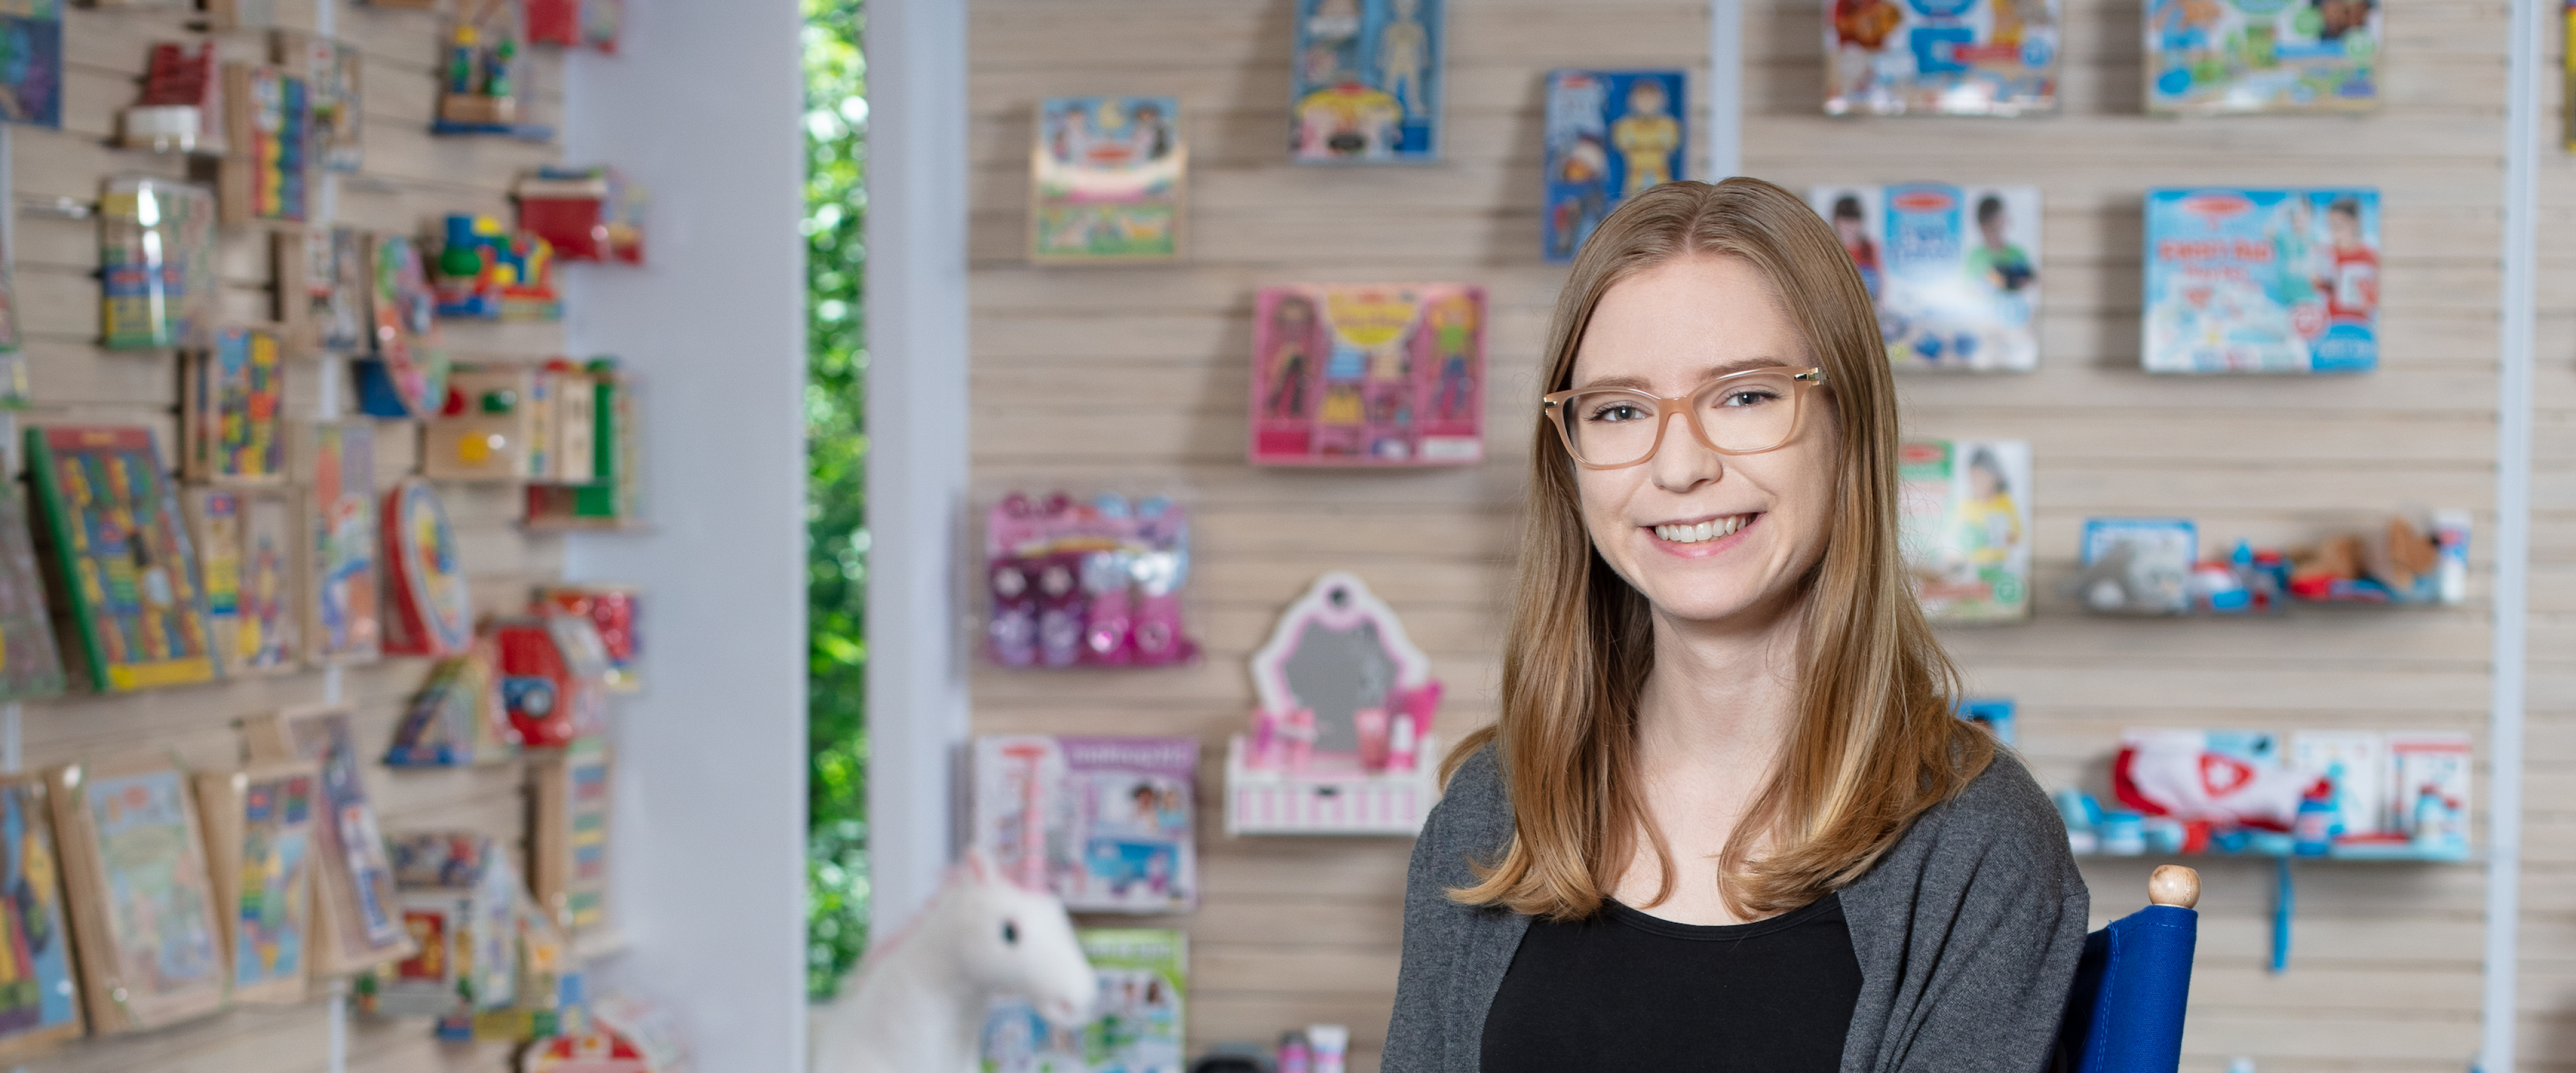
point(2174, 885)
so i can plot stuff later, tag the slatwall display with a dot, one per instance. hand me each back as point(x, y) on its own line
point(1130, 377)
point(410, 179)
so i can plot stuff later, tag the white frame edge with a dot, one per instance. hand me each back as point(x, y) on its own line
point(2506, 706)
point(1725, 89)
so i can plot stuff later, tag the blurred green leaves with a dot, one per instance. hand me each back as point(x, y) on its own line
point(836, 535)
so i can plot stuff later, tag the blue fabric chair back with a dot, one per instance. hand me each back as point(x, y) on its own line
point(2125, 1014)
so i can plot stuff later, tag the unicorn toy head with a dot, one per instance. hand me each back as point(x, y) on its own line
point(919, 998)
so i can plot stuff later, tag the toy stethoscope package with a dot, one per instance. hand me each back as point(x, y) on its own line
point(1092, 583)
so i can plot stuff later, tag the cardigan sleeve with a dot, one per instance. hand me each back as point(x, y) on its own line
point(1416, 1038)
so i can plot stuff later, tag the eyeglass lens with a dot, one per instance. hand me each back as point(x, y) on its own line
point(1740, 414)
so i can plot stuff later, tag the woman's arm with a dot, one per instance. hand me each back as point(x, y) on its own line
point(1416, 1039)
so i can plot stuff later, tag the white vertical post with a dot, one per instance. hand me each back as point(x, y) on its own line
point(326, 24)
point(1725, 89)
point(917, 446)
point(2513, 536)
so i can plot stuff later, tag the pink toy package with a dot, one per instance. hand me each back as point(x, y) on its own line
point(1093, 583)
point(1369, 375)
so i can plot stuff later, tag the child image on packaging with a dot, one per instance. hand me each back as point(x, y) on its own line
point(1954, 271)
point(1964, 528)
point(2268, 281)
point(1851, 225)
point(1107, 177)
point(1610, 134)
point(1367, 81)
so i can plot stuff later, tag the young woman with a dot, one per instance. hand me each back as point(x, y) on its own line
point(1727, 820)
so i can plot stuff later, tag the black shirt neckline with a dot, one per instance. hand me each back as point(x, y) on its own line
point(1655, 925)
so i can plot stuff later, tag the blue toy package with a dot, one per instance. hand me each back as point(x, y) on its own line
point(1367, 82)
point(2262, 281)
point(1953, 271)
point(1610, 134)
point(2138, 565)
point(1993, 713)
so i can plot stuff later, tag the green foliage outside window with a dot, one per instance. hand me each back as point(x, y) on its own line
point(836, 535)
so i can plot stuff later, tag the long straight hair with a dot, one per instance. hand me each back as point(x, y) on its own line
point(1875, 742)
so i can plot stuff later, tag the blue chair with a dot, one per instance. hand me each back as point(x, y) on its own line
point(2125, 1014)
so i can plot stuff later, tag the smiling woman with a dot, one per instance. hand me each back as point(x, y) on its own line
point(1726, 816)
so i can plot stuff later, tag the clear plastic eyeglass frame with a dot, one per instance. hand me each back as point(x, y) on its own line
point(1559, 408)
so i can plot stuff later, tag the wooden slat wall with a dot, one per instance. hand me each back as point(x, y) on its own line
point(409, 181)
point(2547, 1004)
point(1134, 378)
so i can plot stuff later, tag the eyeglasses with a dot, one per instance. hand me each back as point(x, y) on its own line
point(1738, 414)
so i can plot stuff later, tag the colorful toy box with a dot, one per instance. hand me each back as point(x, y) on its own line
point(2262, 281)
point(1368, 375)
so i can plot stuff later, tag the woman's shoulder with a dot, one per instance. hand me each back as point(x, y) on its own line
point(2001, 817)
point(1474, 815)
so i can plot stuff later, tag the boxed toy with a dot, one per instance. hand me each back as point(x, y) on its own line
point(1105, 823)
point(1941, 57)
point(2263, 281)
point(1952, 270)
point(1368, 375)
point(1965, 526)
point(1137, 1023)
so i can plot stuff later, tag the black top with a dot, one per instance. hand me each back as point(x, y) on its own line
point(1624, 992)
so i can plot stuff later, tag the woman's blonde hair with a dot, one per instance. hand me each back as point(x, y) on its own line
point(1876, 742)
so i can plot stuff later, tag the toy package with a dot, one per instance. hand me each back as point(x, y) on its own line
point(323, 282)
point(1609, 134)
point(481, 75)
point(331, 91)
point(1952, 270)
point(357, 919)
point(342, 622)
point(554, 676)
point(246, 542)
point(2245, 56)
point(232, 409)
point(1342, 687)
point(404, 373)
point(587, 214)
point(576, 23)
point(426, 612)
point(613, 609)
point(1105, 823)
point(2137, 566)
point(488, 272)
point(41, 1005)
point(181, 108)
point(1137, 1025)
point(1369, 375)
point(2262, 281)
point(1941, 57)
point(608, 491)
point(142, 906)
point(568, 838)
point(1965, 527)
point(1368, 81)
point(31, 62)
point(459, 902)
point(113, 531)
point(1106, 180)
point(1087, 584)
point(2355, 762)
point(259, 839)
point(2428, 783)
point(457, 719)
point(31, 667)
point(156, 255)
point(268, 122)
point(1993, 713)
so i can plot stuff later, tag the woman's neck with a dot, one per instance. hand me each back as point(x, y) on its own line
point(1722, 695)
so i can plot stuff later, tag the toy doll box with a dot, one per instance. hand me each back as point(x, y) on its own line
point(1275, 802)
point(2262, 281)
point(1369, 375)
point(1106, 823)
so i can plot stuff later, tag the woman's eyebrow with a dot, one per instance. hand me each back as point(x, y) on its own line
point(1638, 383)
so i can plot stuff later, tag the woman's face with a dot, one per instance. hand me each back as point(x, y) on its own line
point(1667, 331)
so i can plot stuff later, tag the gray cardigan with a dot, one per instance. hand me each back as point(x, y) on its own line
point(1967, 933)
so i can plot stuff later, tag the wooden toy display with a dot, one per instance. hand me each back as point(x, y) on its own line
point(554, 676)
point(356, 915)
point(267, 130)
point(1107, 180)
point(489, 428)
point(330, 70)
point(576, 23)
point(31, 666)
point(459, 902)
point(568, 840)
point(40, 1005)
point(181, 108)
point(260, 854)
point(232, 402)
point(456, 720)
point(480, 73)
point(611, 609)
point(405, 372)
point(156, 256)
point(1369, 375)
point(143, 909)
point(587, 214)
point(426, 611)
point(341, 571)
point(121, 553)
point(596, 484)
point(31, 90)
point(246, 541)
point(487, 272)
point(323, 282)
point(1341, 742)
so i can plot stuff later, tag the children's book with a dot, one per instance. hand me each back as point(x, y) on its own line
point(259, 842)
point(426, 612)
point(120, 549)
point(143, 908)
point(1367, 81)
point(1965, 527)
point(341, 621)
point(233, 403)
point(1106, 180)
point(31, 666)
point(1137, 1024)
point(1105, 823)
point(1369, 375)
point(268, 121)
point(31, 62)
point(1952, 270)
point(2262, 281)
point(1609, 134)
point(246, 544)
point(357, 919)
point(2244, 56)
point(39, 1000)
point(156, 255)
point(1941, 57)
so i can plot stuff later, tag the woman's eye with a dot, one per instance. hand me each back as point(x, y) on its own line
point(1618, 411)
point(1747, 397)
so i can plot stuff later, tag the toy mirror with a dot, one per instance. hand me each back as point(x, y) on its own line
point(1341, 654)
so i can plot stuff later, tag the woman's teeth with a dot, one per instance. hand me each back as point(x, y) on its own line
point(1704, 531)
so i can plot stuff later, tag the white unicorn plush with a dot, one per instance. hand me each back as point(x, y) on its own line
point(917, 1002)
